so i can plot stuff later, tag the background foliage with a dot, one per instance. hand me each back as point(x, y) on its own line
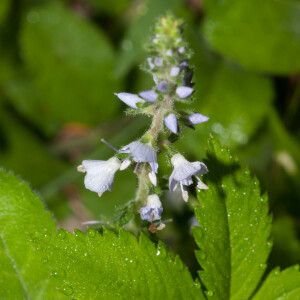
point(61, 62)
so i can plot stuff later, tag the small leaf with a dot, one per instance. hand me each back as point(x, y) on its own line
point(116, 267)
point(280, 285)
point(234, 225)
point(23, 275)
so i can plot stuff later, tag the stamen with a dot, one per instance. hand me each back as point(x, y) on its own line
point(81, 169)
point(93, 222)
point(184, 194)
point(109, 145)
point(136, 166)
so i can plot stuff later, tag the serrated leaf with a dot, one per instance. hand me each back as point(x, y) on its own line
point(70, 64)
point(234, 228)
point(283, 285)
point(22, 273)
point(252, 32)
point(94, 266)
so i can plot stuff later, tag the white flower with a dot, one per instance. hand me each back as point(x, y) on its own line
point(183, 172)
point(153, 209)
point(130, 99)
point(142, 153)
point(99, 174)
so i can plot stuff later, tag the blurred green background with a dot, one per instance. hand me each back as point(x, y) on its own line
point(61, 62)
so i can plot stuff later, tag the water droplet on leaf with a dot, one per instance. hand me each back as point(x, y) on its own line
point(61, 233)
point(67, 290)
point(91, 232)
point(60, 274)
point(209, 293)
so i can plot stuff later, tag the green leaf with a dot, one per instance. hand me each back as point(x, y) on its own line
point(23, 275)
point(234, 228)
point(92, 266)
point(281, 285)
point(253, 33)
point(71, 66)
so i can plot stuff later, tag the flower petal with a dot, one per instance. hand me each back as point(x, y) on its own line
point(150, 63)
point(149, 95)
point(100, 174)
point(196, 118)
point(174, 71)
point(125, 163)
point(158, 61)
point(184, 91)
point(171, 123)
point(152, 178)
point(162, 86)
point(129, 99)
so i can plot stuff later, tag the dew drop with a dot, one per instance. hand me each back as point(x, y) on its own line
point(277, 272)
point(61, 233)
point(197, 284)
point(60, 274)
point(91, 232)
point(46, 237)
point(269, 244)
point(162, 251)
point(263, 266)
point(67, 290)
point(209, 293)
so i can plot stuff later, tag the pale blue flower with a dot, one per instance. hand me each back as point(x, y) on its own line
point(175, 71)
point(183, 172)
point(141, 152)
point(149, 95)
point(162, 86)
point(196, 118)
point(158, 61)
point(184, 91)
point(153, 209)
point(99, 174)
point(150, 63)
point(171, 123)
point(130, 99)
